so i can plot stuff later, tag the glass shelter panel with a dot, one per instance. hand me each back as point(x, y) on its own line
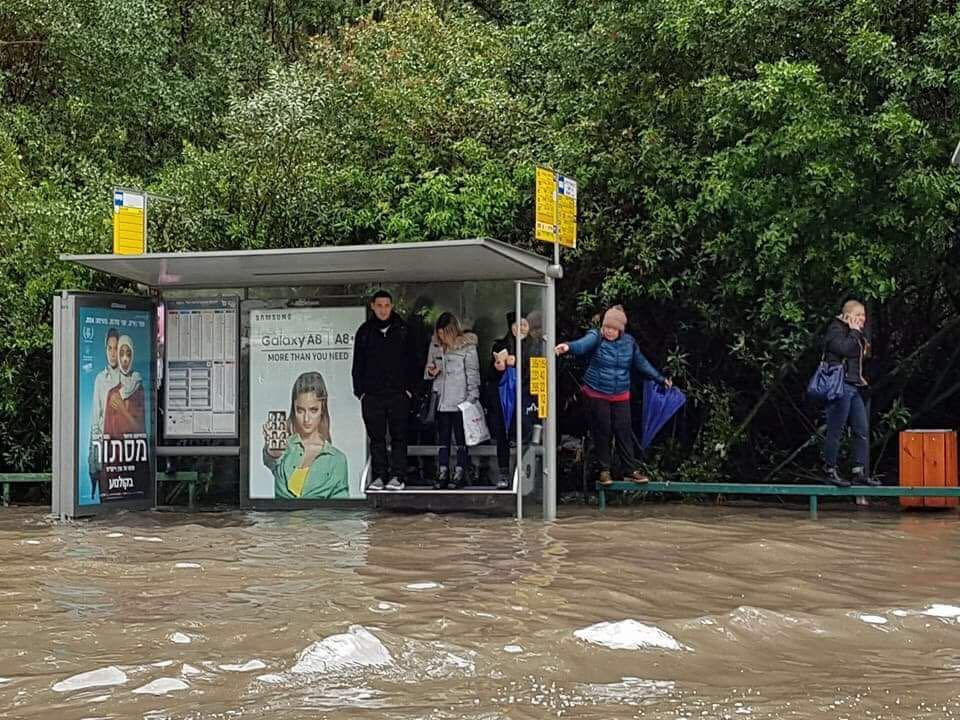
point(532, 397)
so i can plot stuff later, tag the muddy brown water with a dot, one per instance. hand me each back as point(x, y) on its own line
point(720, 613)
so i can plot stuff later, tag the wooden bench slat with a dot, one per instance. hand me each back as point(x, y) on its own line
point(26, 477)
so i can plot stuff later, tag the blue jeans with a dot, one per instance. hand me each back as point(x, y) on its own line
point(848, 407)
point(447, 422)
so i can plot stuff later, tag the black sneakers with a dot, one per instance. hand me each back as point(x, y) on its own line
point(860, 478)
point(440, 482)
point(832, 477)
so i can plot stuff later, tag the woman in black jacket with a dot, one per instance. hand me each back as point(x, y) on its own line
point(846, 344)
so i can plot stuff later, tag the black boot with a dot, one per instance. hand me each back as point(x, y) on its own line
point(861, 478)
point(440, 482)
point(832, 477)
point(503, 482)
point(457, 481)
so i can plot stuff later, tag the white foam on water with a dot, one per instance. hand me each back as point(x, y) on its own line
point(4, 680)
point(163, 663)
point(445, 663)
point(114, 535)
point(272, 678)
point(180, 638)
point(33, 542)
point(942, 611)
point(357, 647)
point(248, 666)
point(427, 585)
point(104, 677)
point(874, 619)
point(162, 686)
point(629, 691)
point(147, 538)
point(187, 669)
point(188, 566)
point(385, 607)
point(513, 649)
point(627, 635)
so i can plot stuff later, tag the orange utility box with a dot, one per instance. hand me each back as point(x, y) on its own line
point(929, 458)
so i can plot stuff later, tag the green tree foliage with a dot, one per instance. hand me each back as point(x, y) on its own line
point(744, 167)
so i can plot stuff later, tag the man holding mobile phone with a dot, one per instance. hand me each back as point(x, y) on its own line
point(385, 375)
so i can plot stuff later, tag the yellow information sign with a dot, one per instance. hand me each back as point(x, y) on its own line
point(556, 208)
point(129, 222)
point(546, 209)
point(567, 210)
point(538, 384)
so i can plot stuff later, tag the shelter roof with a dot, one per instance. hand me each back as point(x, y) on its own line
point(432, 261)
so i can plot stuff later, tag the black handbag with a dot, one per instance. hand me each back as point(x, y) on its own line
point(426, 406)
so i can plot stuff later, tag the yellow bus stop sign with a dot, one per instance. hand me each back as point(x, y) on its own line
point(556, 208)
point(546, 210)
point(129, 222)
point(567, 210)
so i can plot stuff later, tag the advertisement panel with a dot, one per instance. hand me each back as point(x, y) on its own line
point(115, 396)
point(307, 438)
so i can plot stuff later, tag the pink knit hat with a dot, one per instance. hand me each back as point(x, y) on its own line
point(615, 318)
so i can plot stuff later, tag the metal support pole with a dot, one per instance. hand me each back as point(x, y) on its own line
point(813, 507)
point(551, 463)
point(519, 410)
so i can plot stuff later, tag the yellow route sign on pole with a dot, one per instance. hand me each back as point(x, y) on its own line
point(567, 210)
point(556, 208)
point(129, 222)
point(546, 209)
point(538, 384)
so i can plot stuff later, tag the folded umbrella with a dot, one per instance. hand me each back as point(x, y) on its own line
point(659, 405)
point(508, 395)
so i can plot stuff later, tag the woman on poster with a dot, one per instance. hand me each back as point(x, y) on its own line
point(124, 408)
point(306, 466)
point(124, 415)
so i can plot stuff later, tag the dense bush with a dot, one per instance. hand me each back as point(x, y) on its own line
point(744, 166)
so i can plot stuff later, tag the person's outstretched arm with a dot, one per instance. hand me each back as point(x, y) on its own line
point(585, 345)
point(645, 367)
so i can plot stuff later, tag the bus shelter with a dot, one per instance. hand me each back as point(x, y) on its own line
point(207, 360)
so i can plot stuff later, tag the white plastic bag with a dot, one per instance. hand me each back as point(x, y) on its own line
point(474, 423)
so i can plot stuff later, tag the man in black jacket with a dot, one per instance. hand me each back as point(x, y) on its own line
point(384, 378)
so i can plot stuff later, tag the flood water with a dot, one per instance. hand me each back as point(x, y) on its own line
point(720, 613)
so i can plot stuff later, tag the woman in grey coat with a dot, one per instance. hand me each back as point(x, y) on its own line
point(454, 367)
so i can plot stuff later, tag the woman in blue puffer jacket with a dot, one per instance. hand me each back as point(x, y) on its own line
point(606, 387)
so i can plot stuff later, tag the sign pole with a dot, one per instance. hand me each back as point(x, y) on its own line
point(554, 225)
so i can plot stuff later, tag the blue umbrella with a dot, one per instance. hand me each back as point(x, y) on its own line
point(659, 405)
point(508, 395)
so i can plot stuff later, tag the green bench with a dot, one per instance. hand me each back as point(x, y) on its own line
point(8, 479)
point(812, 491)
point(190, 479)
